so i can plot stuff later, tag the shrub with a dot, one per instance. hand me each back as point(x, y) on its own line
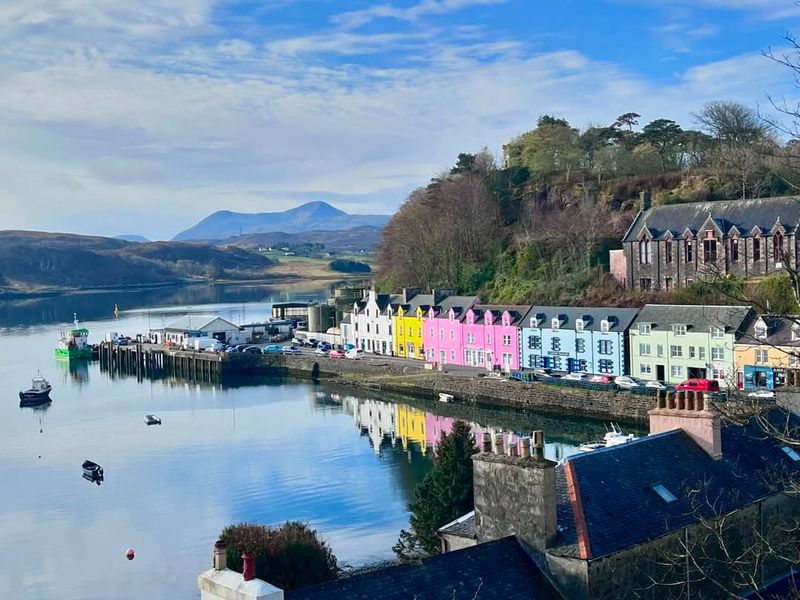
point(349, 266)
point(290, 557)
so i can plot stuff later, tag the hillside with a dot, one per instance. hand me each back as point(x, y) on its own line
point(345, 240)
point(311, 216)
point(132, 237)
point(32, 260)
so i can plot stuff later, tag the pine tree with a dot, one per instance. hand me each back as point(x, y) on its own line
point(443, 495)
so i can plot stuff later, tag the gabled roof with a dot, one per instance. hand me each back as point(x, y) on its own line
point(762, 213)
point(620, 508)
point(197, 323)
point(779, 331)
point(696, 317)
point(516, 312)
point(460, 303)
point(495, 570)
point(624, 316)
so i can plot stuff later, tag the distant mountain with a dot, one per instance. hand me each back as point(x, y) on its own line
point(343, 240)
point(132, 238)
point(311, 216)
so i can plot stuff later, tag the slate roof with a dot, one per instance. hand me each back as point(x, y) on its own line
point(460, 303)
point(779, 331)
point(500, 570)
point(697, 318)
point(743, 214)
point(620, 507)
point(196, 323)
point(463, 526)
point(516, 312)
point(570, 314)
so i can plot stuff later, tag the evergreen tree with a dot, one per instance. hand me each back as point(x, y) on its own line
point(443, 495)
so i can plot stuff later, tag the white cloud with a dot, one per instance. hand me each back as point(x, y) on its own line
point(765, 9)
point(358, 18)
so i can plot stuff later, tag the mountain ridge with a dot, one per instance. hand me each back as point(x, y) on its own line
point(311, 216)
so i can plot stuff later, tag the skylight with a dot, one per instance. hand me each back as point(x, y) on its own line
point(665, 494)
point(791, 453)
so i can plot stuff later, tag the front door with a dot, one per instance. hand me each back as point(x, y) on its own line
point(661, 374)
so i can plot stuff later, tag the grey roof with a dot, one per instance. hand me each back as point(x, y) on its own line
point(516, 311)
point(462, 527)
point(346, 319)
point(570, 314)
point(500, 570)
point(779, 331)
point(195, 323)
point(424, 301)
point(696, 317)
point(460, 303)
point(620, 507)
point(763, 213)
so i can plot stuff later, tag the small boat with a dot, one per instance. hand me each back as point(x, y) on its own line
point(39, 392)
point(445, 397)
point(92, 471)
point(152, 420)
point(74, 344)
point(615, 437)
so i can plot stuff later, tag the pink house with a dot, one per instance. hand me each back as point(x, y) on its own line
point(443, 342)
point(491, 336)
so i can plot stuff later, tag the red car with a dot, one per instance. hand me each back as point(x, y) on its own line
point(335, 354)
point(699, 385)
point(601, 379)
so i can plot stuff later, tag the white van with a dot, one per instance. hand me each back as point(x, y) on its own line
point(204, 343)
point(354, 354)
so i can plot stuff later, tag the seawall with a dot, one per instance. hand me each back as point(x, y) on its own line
point(389, 376)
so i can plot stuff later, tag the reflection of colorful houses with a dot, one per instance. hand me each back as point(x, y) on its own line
point(411, 426)
point(377, 420)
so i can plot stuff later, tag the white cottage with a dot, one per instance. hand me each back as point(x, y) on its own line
point(194, 326)
point(373, 322)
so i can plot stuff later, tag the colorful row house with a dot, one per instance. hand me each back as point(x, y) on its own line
point(768, 353)
point(672, 343)
point(442, 330)
point(409, 317)
point(576, 340)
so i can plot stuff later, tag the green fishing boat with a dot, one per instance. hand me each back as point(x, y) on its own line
point(74, 344)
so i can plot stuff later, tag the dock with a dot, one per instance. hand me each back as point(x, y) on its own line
point(154, 361)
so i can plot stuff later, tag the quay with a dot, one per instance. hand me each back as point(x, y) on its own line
point(154, 361)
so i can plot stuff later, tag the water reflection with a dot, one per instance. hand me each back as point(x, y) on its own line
point(75, 371)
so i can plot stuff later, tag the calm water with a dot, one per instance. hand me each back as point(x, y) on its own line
point(263, 451)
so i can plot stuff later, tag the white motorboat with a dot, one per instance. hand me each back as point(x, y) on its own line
point(615, 437)
point(445, 397)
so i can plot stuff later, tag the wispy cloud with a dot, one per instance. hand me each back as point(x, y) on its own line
point(358, 18)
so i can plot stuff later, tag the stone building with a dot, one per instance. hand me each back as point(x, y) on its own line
point(670, 246)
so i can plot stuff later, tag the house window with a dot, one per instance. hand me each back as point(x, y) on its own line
point(644, 349)
point(762, 357)
point(441, 334)
point(756, 249)
point(556, 362)
point(433, 333)
point(717, 333)
point(604, 347)
point(709, 251)
point(452, 354)
point(644, 252)
point(506, 340)
point(604, 326)
point(761, 331)
point(534, 342)
point(691, 352)
point(409, 332)
point(794, 360)
point(717, 353)
point(470, 338)
point(580, 346)
point(735, 250)
point(668, 284)
point(719, 373)
point(506, 358)
point(605, 365)
point(702, 352)
point(645, 328)
point(489, 339)
point(645, 369)
point(452, 335)
point(676, 351)
point(675, 371)
point(659, 350)
point(555, 323)
point(367, 327)
point(668, 251)
point(555, 344)
point(688, 250)
point(777, 246)
point(679, 329)
point(645, 283)
point(377, 329)
point(579, 324)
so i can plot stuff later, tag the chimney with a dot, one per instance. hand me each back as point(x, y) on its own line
point(220, 556)
point(441, 294)
point(248, 566)
point(409, 293)
point(691, 412)
point(515, 495)
point(645, 199)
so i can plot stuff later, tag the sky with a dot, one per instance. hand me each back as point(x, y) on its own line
point(144, 116)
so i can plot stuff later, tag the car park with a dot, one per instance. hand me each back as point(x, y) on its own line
point(698, 385)
point(626, 382)
point(335, 354)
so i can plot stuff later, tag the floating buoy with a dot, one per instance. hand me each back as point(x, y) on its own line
point(130, 554)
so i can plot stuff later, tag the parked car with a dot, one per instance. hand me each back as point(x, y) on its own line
point(321, 352)
point(335, 354)
point(324, 346)
point(761, 394)
point(355, 354)
point(290, 350)
point(252, 350)
point(601, 379)
point(699, 385)
point(347, 347)
point(273, 349)
point(541, 372)
point(658, 385)
point(312, 342)
point(626, 382)
point(574, 377)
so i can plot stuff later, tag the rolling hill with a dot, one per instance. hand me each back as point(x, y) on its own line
point(312, 216)
point(343, 240)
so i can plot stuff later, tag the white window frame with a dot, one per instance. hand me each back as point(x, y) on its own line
point(555, 323)
point(679, 330)
point(645, 328)
point(644, 350)
point(675, 351)
point(676, 371)
point(717, 353)
point(579, 324)
point(762, 356)
point(717, 333)
point(645, 369)
point(604, 326)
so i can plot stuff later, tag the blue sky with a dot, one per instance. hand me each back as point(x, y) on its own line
point(145, 116)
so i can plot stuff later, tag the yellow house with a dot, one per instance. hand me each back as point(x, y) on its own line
point(767, 354)
point(408, 332)
point(411, 426)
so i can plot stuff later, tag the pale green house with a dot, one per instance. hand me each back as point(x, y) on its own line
point(672, 343)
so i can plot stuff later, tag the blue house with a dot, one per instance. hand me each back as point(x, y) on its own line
point(574, 339)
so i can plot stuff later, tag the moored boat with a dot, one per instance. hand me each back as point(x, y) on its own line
point(152, 420)
point(74, 344)
point(39, 392)
point(445, 397)
point(615, 437)
point(92, 471)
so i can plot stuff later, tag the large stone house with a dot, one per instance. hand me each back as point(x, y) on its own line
point(670, 246)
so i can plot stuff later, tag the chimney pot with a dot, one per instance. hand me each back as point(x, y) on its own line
point(538, 445)
point(512, 448)
point(486, 443)
point(525, 447)
point(661, 399)
point(700, 403)
point(220, 556)
point(249, 566)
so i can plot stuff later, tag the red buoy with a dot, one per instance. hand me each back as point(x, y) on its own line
point(130, 554)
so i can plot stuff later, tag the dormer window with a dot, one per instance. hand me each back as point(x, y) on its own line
point(679, 329)
point(761, 331)
point(579, 324)
point(534, 322)
point(604, 326)
point(795, 332)
point(555, 323)
point(717, 332)
point(664, 493)
point(644, 328)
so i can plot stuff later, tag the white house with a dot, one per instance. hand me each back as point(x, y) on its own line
point(373, 322)
point(193, 326)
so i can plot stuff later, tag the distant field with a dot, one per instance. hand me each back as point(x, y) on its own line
point(312, 268)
